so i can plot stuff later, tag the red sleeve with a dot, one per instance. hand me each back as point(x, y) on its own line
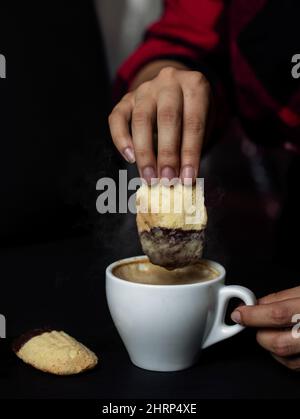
point(188, 31)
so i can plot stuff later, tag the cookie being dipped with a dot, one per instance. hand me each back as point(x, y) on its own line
point(54, 352)
point(171, 222)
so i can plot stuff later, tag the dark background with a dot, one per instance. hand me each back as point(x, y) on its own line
point(54, 105)
point(54, 246)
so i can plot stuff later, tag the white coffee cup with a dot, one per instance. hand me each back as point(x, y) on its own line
point(165, 327)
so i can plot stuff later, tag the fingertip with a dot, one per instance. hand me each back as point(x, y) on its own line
point(236, 317)
point(149, 175)
point(188, 175)
point(168, 173)
point(128, 154)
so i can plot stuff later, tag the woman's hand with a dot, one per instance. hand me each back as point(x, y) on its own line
point(276, 317)
point(176, 103)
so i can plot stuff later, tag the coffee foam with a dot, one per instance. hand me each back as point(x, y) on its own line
point(145, 272)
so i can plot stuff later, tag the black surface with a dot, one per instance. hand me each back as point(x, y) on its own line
point(61, 284)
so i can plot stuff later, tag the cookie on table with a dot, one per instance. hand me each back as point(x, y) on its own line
point(54, 352)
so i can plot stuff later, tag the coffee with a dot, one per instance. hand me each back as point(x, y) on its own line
point(163, 324)
point(144, 272)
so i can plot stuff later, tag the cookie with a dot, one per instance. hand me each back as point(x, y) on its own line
point(171, 222)
point(54, 352)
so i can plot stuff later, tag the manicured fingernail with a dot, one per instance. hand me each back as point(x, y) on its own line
point(128, 153)
point(148, 174)
point(236, 317)
point(168, 172)
point(187, 174)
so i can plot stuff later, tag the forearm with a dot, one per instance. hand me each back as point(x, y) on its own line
point(152, 69)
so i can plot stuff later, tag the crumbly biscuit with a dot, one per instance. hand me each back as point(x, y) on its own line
point(171, 222)
point(54, 352)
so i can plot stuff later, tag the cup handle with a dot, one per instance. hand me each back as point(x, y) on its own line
point(220, 330)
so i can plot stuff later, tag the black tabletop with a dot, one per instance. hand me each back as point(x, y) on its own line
point(61, 284)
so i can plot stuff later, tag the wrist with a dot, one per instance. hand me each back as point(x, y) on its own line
point(152, 69)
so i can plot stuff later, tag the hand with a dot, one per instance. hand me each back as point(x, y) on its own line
point(274, 317)
point(176, 102)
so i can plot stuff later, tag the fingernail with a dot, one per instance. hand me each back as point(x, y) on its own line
point(188, 174)
point(128, 153)
point(168, 172)
point(148, 174)
point(236, 317)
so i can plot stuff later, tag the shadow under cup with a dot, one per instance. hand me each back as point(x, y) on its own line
point(165, 318)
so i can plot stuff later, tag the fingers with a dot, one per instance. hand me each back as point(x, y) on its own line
point(143, 115)
point(196, 102)
point(169, 114)
point(275, 315)
point(282, 295)
point(293, 363)
point(119, 128)
point(282, 346)
point(278, 314)
point(177, 101)
point(280, 342)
